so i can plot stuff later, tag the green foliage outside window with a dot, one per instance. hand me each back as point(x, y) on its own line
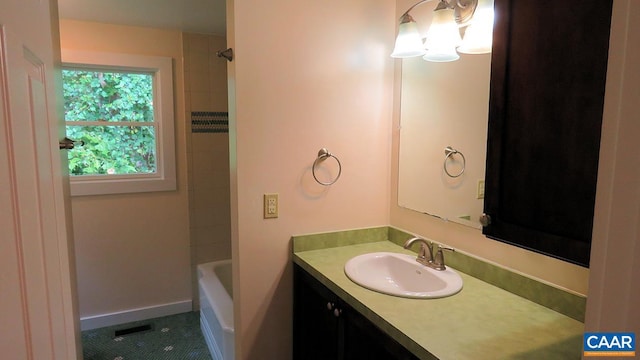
point(112, 113)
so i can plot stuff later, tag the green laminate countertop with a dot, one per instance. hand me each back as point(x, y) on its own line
point(481, 322)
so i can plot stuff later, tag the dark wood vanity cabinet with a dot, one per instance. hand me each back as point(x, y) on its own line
point(327, 328)
point(548, 73)
point(315, 327)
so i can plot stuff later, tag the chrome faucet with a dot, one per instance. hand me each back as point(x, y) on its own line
point(425, 255)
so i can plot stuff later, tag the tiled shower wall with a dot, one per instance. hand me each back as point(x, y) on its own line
point(207, 150)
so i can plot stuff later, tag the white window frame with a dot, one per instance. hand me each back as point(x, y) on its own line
point(164, 179)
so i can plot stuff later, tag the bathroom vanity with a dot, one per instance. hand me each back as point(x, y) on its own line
point(334, 318)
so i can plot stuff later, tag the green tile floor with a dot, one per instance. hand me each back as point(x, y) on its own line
point(176, 337)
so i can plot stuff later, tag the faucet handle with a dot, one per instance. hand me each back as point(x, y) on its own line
point(425, 255)
point(426, 251)
point(438, 261)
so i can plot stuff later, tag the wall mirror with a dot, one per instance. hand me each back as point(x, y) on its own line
point(444, 104)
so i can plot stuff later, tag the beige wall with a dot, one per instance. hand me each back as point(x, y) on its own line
point(208, 153)
point(132, 250)
point(306, 75)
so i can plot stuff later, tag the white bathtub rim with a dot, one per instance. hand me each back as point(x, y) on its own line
point(222, 306)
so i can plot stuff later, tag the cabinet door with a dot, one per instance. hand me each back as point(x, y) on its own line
point(327, 328)
point(316, 327)
point(548, 75)
point(364, 340)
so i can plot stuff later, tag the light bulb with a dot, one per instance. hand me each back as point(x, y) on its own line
point(443, 37)
point(408, 42)
point(478, 37)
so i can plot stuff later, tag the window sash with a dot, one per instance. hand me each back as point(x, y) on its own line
point(164, 179)
point(149, 75)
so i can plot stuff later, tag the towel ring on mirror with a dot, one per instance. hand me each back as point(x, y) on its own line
point(324, 154)
point(449, 151)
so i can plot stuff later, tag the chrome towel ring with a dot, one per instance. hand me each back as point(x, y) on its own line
point(324, 154)
point(449, 152)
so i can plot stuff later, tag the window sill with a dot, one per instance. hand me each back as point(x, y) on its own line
point(123, 185)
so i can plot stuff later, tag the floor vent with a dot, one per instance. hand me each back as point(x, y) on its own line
point(132, 330)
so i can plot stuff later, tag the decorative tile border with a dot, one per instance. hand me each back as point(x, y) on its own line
point(209, 122)
point(559, 300)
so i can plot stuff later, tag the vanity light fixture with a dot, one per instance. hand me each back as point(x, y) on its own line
point(443, 36)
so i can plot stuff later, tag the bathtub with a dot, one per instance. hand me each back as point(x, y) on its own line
point(216, 308)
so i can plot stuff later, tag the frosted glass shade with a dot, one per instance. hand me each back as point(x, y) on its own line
point(479, 35)
point(443, 37)
point(441, 56)
point(408, 42)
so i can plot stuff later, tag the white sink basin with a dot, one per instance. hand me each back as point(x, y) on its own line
point(400, 275)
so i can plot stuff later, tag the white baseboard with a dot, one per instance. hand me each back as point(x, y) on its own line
point(121, 317)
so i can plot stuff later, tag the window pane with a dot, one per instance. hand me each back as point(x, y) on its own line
point(107, 96)
point(112, 150)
